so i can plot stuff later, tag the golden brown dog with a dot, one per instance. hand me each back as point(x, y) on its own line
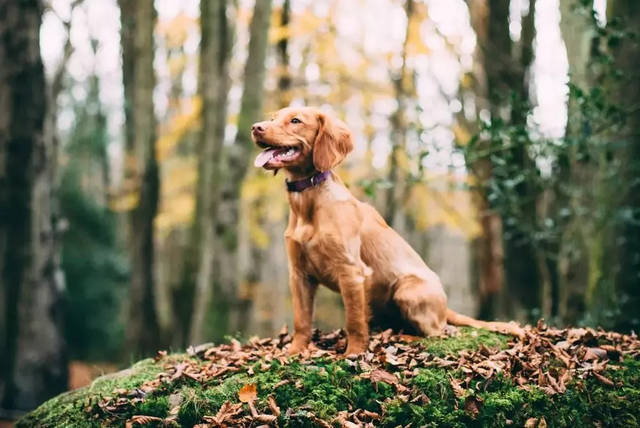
point(336, 240)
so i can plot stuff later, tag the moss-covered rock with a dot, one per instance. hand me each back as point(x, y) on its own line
point(455, 381)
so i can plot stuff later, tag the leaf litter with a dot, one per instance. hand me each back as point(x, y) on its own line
point(547, 358)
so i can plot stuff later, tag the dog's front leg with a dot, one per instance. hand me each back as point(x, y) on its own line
point(352, 289)
point(303, 293)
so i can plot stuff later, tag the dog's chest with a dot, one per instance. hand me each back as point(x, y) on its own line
point(306, 243)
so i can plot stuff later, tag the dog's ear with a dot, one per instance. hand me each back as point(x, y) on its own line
point(333, 142)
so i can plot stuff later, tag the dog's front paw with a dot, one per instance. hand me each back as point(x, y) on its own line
point(354, 349)
point(297, 347)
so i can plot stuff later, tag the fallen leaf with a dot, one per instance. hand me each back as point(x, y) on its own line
point(531, 423)
point(248, 393)
point(458, 390)
point(603, 380)
point(273, 405)
point(142, 420)
point(383, 376)
point(472, 405)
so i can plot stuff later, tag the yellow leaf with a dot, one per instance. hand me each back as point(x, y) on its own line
point(124, 202)
point(177, 128)
point(461, 134)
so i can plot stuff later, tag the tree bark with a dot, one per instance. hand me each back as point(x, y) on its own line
point(282, 48)
point(627, 59)
point(488, 248)
point(138, 21)
point(238, 155)
point(522, 273)
point(215, 46)
point(573, 266)
point(404, 85)
point(33, 361)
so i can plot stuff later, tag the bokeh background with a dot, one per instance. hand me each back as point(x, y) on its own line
point(500, 138)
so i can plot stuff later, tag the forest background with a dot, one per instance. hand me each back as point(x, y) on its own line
point(500, 138)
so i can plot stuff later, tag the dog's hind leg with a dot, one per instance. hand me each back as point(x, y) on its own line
point(422, 304)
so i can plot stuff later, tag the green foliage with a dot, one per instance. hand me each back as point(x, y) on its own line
point(565, 196)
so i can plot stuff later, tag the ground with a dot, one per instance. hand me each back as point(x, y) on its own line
point(552, 377)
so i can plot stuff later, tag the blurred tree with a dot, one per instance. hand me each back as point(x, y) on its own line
point(141, 169)
point(503, 89)
point(404, 86)
point(177, 156)
point(282, 47)
point(237, 156)
point(215, 51)
point(488, 247)
point(627, 97)
point(577, 173)
point(34, 364)
point(94, 264)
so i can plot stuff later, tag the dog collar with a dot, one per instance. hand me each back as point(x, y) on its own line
point(305, 183)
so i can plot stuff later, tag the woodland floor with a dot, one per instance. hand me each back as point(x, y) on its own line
point(579, 377)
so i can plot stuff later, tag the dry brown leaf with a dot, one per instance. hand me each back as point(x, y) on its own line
point(458, 390)
point(160, 355)
point(226, 413)
point(472, 405)
point(267, 419)
point(142, 420)
point(531, 423)
point(604, 380)
point(273, 405)
point(383, 376)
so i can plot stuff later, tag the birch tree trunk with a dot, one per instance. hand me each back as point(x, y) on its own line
point(141, 173)
point(33, 361)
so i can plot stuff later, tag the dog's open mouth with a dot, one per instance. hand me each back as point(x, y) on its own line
point(279, 154)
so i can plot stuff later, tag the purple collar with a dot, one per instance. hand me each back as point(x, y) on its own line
point(305, 183)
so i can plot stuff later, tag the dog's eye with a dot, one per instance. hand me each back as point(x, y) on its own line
point(296, 120)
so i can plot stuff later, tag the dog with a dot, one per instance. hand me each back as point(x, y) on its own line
point(336, 240)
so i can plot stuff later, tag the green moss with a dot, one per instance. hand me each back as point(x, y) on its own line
point(68, 409)
point(469, 339)
point(326, 386)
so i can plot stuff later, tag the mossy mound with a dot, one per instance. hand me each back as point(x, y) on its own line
point(553, 377)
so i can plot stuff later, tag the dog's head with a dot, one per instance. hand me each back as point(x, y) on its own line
point(301, 139)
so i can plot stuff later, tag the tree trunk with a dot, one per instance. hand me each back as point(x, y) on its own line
point(215, 45)
point(33, 360)
point(573, 266)
point(284, 77)
point(397, 176)
point(521, 270)
point(488, 248)
point(238, 155)
point(138, 21)
point(627, 59)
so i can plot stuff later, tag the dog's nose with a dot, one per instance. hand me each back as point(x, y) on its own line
point(257, 128)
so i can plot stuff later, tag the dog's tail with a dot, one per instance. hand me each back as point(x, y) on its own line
point(511, 328)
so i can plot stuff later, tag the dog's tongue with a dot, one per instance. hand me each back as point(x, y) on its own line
point(264, 157)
